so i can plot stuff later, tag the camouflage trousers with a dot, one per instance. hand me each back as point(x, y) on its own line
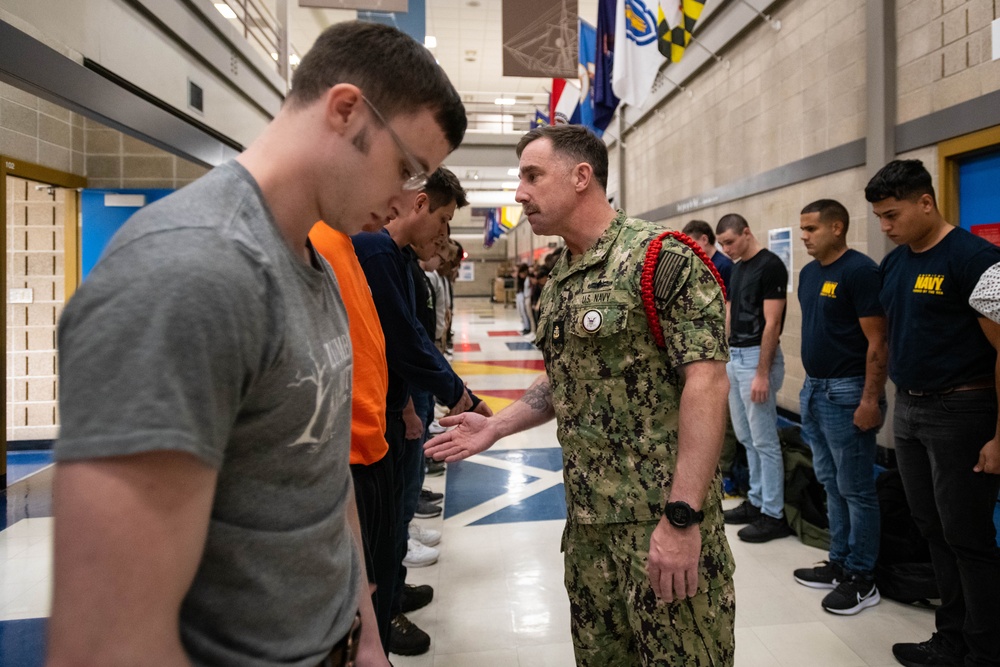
point(616, 618)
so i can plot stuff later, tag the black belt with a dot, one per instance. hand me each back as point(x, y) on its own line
point(981, 384)
point(344, 652)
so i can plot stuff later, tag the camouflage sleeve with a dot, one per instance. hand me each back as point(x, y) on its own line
point(690, 306)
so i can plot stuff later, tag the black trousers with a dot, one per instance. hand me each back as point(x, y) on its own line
point(373, 490)
point(395, 435)
point(938, 439)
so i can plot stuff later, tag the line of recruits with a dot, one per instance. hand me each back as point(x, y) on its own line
point(204, 506)
point(910, 319)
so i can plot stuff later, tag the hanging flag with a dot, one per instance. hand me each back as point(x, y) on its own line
point(539, 119)
point(509, 216)
point(605, 100)
point(565, 102)
point(588, 51)
point(637, 59)
point(492, 230)
point(675, 24)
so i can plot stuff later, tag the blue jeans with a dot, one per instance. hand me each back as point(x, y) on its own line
point(938, 438)
point(756, 426)
point(844, 461)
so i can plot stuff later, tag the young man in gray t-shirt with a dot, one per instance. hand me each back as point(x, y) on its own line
point(202, 497)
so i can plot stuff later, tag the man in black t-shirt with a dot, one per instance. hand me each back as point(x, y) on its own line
point(942, 358)
point(844, 353)
point(755, 308)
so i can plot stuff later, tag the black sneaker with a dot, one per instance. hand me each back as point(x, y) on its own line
point(430, 496)
point(852, 595)
point(416, 597)
point(823, 575)
point(434, 468)
point(935, 652)
point(407, 639)
point(745, 512)
point(764, 529)
point(426, 510)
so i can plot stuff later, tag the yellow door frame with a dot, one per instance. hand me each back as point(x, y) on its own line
point(950, 154)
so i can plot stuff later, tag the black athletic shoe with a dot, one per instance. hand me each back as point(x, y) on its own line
point(434, 468)
point(852, 595)
point(764, 529)
point(416, 597)
point(426, 510)
point(745, 512)
point(823, 575)
point(407, 639)
point(935, 652)
point(431, 496)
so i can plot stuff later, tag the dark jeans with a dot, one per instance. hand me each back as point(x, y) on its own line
point(395, 435)
point(377, 516)
point(938, 439)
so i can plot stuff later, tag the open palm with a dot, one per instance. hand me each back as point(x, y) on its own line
point(473, 433)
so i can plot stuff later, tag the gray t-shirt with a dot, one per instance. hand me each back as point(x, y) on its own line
point(200, 331)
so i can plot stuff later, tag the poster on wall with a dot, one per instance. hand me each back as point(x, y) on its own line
point(466, 272)
point(779, 241)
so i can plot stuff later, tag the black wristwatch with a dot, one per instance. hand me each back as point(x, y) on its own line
point(682, 515)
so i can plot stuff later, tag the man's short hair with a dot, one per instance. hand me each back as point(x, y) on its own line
point(397, 74)
point(900, 179)
point(701, 228)
point(443, 188)
point(830, 211)
point(731, 222)
point(575, 142)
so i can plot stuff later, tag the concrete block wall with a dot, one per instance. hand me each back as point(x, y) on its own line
point(787, 95)
point(944, 54)
point(35, 246)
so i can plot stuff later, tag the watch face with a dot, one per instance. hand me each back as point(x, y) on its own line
point(679, 515)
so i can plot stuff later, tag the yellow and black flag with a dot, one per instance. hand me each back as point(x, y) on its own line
point(675, 25)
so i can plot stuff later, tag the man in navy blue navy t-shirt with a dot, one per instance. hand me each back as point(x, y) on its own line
point(946, 433)
point(844, 353)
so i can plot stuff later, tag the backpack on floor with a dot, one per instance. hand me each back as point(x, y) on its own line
point(903, 571)
point(805, 498)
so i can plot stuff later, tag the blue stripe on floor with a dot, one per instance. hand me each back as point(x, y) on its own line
point(469, 484)
point(547, 505)
point(548, 458)
point(520, 346)
point(22, 643)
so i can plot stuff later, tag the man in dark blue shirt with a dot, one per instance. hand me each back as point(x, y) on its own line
point(844, 353)
point(702, 234)
point(943, 360)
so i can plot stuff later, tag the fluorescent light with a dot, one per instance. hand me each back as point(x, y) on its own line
point(294, 60)
point(225, 10)
point(513, 171)
point(274, 55)
point(502, 101)
point(430, 41)
point(509, 185)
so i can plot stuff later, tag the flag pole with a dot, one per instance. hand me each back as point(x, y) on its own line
point(719, 59)
point(773, 22)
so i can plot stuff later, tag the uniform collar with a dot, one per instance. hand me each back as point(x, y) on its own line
point(594, 255)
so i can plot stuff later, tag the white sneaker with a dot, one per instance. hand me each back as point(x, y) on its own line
point(435, 428)
point(426, 536)
point(419, 555)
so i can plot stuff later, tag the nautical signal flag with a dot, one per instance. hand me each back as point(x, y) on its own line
point(675, 23)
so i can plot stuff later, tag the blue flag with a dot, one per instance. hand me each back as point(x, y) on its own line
point(492, 229)
point(588, 51)
point(605, 101)
point(539, 119)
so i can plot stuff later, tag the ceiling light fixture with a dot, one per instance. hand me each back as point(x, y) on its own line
point(430, 41)
point(225, 10)
point(513, 171)
point(504, 101)
point(509, 185)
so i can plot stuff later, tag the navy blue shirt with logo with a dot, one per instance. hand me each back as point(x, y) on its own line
point(935, 341)
point(833, 299)
point(754, 281)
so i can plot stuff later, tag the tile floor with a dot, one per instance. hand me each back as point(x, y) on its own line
point(499, 597)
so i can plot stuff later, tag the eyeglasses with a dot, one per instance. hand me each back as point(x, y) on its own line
point(418, 178)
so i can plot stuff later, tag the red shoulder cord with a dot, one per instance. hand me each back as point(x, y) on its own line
point(649, 270)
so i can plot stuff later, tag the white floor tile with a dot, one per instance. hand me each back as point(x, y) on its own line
point(813, 644)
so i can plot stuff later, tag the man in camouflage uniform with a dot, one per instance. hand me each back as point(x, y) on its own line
point(640, 424)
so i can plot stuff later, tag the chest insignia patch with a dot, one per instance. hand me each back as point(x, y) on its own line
point(557, 332)
point(592, 321)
